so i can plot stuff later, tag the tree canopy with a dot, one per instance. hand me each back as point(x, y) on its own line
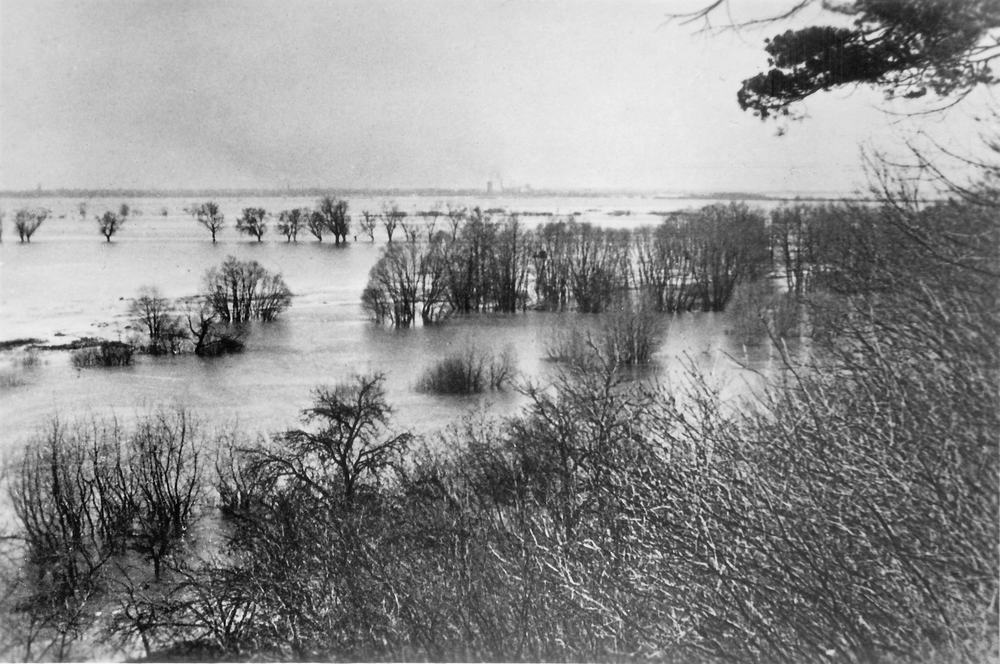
point(906, 48)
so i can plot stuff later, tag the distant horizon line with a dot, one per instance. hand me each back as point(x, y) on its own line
point(275, 192)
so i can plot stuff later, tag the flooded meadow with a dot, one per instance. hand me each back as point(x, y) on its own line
point(68, 283)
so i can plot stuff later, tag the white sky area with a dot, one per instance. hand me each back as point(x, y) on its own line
point(559, 94)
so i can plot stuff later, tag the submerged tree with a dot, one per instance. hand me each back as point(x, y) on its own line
point(253, 222)
point(728, 244)
point(391, 216)
point(240, 291)
point(316, 223)
point(290, 222)
point(392, 293)
point(335, 218)
point(27, 221)
point(167, 473)
point(156, 316)
point(368, 223)
point(209, 216)
point(110, 223)
point(209, 336)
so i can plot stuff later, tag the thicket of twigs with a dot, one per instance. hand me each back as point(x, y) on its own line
point(471, 371)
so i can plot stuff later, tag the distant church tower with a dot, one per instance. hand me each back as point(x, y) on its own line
point(489, 186)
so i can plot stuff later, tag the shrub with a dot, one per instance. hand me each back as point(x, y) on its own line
point(756, 312)
point(107, 354)
point(13, 371)
point(210, 339)
point(27, 221)
point(222, 344)
point(625, 338)
point(629, 336)
point(472, 371)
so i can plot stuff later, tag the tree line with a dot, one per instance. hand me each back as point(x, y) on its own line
point(329, 218)
point(689, 262)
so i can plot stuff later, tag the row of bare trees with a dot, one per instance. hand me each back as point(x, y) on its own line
point(692, 261)
point(330, 217)
point(29, 220)
point(486, 263)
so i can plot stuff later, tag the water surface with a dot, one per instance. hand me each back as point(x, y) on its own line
point(68, 282)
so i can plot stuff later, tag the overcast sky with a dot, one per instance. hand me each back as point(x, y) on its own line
point(560, 94)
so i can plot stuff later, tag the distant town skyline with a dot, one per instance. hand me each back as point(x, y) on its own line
point(406, 95)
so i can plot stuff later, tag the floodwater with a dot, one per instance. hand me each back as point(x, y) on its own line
point(68, 282)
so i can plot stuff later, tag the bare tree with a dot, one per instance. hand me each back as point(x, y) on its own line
point(27, 221)
point(241, 291)
point(166, 465)
point(253, 222)
point(316, 223)
point(411, 228)
point(155, 313)
point(391, 216)
point(290, 222)
point(431, 217)
point(456, 217)
point(110, 223)
point(209, 216)
point(392, 293)
point(335, 217)
point(208, 335)
point(368, 223)
point(350, 445)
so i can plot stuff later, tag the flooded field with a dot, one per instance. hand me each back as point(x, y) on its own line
point(69, 283)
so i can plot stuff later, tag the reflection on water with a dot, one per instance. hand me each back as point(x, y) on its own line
point(69, 281)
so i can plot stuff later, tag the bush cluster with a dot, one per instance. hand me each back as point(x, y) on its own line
point(14, 370)
point(472, 371)
point(106, 354)
point(627, 337)
point(235, 292)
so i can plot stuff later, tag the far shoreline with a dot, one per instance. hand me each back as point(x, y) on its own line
point(308, 192)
